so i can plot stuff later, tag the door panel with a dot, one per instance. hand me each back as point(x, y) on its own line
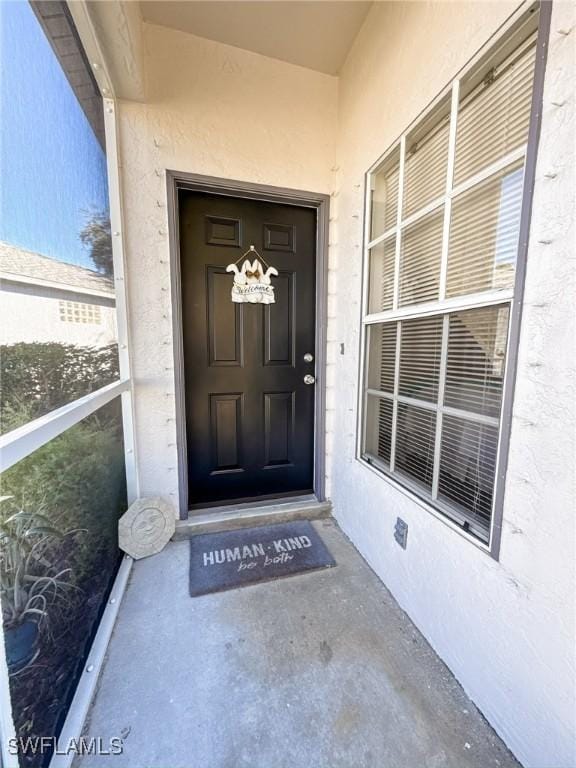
point(224, 320)
point(249, 414)
point(279, 323)
point(278, 428)
point(226, 432)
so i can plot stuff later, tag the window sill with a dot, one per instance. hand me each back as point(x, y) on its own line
point(425, 505)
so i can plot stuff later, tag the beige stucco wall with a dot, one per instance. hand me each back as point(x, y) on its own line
point(220, 111)
point(506, 628)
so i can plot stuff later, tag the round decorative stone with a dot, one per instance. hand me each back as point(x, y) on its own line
point(146, 527)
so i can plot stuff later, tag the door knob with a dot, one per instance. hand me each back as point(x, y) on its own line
point(309, 379)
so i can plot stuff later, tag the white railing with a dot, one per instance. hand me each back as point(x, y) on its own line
point(23, 441)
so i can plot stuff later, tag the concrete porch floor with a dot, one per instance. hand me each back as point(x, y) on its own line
point(319, 670)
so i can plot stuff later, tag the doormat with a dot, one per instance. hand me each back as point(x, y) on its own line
point(230, 559)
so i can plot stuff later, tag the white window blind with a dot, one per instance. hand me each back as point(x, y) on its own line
point(475, 360)
point(384, 198)
point(426, 161)
point(420, 341)
point(415, 431)
point(421, 252)
point(443, 234)
point(484, 234)
point(381, 289)
point(493, 117)
point(467, 467)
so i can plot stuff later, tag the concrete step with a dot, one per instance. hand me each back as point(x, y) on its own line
point(226, 518)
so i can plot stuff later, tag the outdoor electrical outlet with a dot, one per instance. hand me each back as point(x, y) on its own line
point(401, 532)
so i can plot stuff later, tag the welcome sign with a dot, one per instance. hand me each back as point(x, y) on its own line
point(253, 294)
point(252, 283)
point(230, 559)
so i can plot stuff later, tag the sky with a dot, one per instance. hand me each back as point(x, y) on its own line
point(52, 168)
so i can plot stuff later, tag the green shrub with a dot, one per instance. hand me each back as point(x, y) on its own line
point(77, 480)
point(77, 484)
point(69, 493)
point(39, 377)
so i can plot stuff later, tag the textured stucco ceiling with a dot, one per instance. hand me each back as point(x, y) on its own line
point(317, 35)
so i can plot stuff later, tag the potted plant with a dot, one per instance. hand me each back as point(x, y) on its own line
point(29, 582)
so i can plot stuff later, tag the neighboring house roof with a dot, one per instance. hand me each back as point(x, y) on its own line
point(20, 265)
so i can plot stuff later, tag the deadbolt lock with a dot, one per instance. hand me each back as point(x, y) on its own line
point(308, 357)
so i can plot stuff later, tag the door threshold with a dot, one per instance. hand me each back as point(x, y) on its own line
point(213, 519)
point(252, 503)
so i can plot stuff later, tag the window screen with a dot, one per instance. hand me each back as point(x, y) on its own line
point(444, 227)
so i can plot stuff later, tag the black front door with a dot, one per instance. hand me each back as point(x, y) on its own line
point(249, 412)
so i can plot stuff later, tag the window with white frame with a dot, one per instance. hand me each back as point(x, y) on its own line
point(444, 209)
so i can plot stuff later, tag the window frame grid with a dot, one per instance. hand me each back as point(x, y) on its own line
point(511, 297)
point(445, 200)
point(437, 407)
